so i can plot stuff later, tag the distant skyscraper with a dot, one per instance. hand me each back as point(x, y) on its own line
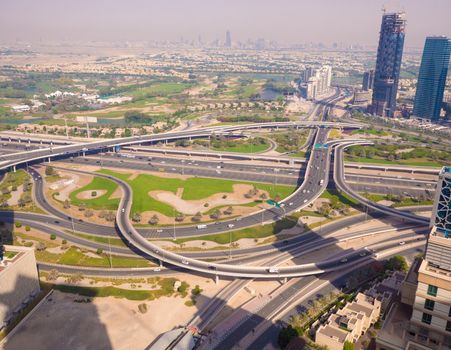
point(432, 77)
point(228, 40)
point(388, 64)
point(368, 80)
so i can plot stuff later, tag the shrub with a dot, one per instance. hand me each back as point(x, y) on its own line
point(93, 193)
point(40, 246)
point(196, 290)
point(142, 308)
point(99, 251)
point(64, 241)
point(154, 220)
point(52, 236)
point(88, 213)
point(49, 170)
point(53, 275)
point(27, 228)
point(18, 224)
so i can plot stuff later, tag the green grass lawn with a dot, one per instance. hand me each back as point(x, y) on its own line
point(251, 232)
point(74, 257)
point(243, 148)
point(165, 289)
point(413, 161)
point(100, 239)
point(195, 188)
point(101, 202)
point(161, 89)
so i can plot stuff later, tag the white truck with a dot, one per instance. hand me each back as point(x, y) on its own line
point(273, 270)
point(200, 227)
point(321, 182)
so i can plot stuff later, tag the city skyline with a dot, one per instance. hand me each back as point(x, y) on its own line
point(353, 22)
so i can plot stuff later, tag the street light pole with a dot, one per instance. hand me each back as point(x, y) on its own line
point(230, 245)
point(174, 236)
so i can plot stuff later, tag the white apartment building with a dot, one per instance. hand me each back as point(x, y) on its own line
point(315, 82)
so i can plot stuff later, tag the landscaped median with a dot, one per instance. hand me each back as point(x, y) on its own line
point(159, 200)
point(56, 251)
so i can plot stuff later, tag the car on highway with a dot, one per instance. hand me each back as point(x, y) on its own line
point(402, 243)
point(157, 269)
point(200, 227)
point(159, 231)
point(123, 210)
point(362, 254)
point(230, 225)
point(344, 260)
point(273, 270)
point(185, 262)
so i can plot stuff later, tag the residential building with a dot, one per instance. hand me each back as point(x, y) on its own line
point(388, 64)
point(423, 320)
point(315, 83)
point(19, 281)
point(368, 80)
point(349, 323)
point(432, 78)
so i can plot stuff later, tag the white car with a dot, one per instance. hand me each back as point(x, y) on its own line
point(305, 200)
point(402, 243)
point(290, 204)
point(123, 210)
point(159, 231)
point(362, 254)
point(157, 269)
point(230, 225)
point(185, 262)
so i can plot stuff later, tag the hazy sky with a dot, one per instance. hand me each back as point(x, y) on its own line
point(287, 21)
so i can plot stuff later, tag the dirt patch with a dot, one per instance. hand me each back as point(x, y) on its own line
point(88, 194)
point(15, 196)
point(107, 323)
point(117, 193)
point(191, 207)
point(167, 220)
point(92, 255)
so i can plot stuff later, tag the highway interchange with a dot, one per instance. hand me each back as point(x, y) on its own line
point(325, 163)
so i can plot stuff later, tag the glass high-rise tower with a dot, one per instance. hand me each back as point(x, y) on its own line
point(388, 64)
point(432, 77)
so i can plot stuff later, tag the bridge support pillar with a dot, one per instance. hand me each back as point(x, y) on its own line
point(216, 279)
point(48, 159)
point(284, 280)
point(14, 168)
point(40, 142)
point(161, 263)
point(20, 140)
point(84, 154)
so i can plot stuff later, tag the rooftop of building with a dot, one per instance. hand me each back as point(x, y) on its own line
point(333, 332)
point(12, 255)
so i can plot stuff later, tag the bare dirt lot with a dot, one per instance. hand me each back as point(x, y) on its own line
point(105, 323)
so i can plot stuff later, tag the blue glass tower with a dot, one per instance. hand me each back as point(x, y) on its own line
point(432, 78)
point(388, 64)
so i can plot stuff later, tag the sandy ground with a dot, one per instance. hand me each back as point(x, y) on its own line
point(15, 196)
point(106, 323)
point(191, 207)
point(298, 106)
point(88, 194)
point(167, 220)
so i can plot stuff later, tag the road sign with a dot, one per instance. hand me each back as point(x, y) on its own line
point(273, 203)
